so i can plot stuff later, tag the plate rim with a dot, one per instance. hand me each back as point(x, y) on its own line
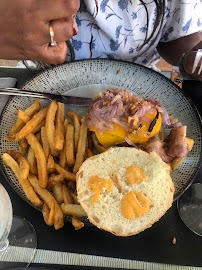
point(188, 98)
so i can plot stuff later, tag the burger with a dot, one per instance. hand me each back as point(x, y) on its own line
point(117, 118)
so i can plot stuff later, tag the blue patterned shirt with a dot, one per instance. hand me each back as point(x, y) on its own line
point(121, 26)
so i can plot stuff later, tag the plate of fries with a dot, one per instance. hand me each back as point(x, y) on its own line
point(43, 144)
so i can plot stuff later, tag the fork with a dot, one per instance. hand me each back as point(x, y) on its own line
point(198, 57)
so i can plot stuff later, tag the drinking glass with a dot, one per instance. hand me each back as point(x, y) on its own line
point(16, 234)
point(190, 208)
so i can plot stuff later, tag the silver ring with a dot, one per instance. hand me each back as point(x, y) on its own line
point(53, 43)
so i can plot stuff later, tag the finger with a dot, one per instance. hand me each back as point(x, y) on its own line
point(53, 10)
point(64, 29)
point(52, 55)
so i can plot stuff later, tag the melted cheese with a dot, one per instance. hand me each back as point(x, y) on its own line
point(135, 175)
point(134, 204)
point(117, 136)
point(98, 186)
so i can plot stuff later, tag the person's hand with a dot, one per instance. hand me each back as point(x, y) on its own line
point(189, 61)
point(25, 33)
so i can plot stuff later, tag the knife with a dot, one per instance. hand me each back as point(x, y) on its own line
point(70, 100)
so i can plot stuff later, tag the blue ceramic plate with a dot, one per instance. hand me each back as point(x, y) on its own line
point(87, 78)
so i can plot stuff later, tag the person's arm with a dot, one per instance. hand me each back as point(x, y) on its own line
point(25, 33)
point(188, 45)
point(173, 50)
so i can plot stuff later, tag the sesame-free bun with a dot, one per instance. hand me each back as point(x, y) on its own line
point(106, 212)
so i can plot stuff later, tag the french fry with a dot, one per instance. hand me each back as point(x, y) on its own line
point(69, 146)
point(75, 198)
point(39, 126)
point(50, 164)
point(30, 111)
point(68, 175)
point(41, 159)
point(77, 120)
point(71, 114)
point(50, 127)
point(77, 223)
point(71, 185)
point(82, 145)
point(67, 195)
point(66, 123)
point(89, 153)
point(22, 162)
point(90, 142)
point(57, 193)
point(38, 136)
point(59, 127)
point(23, 116)
point(28, 128)
point(23, 144)
point(73, 210)
point(55, 179)
point(48, 199)
point(48, 214)
point(32, 161)
point(24, 183)
point(62, 157)
point(44, 141)
point(178, 160)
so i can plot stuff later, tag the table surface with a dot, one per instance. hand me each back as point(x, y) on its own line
point(153, 245)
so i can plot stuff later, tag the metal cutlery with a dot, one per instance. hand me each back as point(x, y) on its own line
point(69, 100)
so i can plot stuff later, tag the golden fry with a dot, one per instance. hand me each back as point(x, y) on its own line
point(50, 127)
point(77, 120)
point(69, 146)
point(89, 153)
point(71, 114)
point(67, 195)
point(68, 175)
point(38, 136)
point(23, 163)
point(39, 126)
point(75, 198)
point(23, 144)
point(71, 185)
point(24, 183)
point(48, 214)
point(73, 210)
point(28, 128)
point(48, 199)
point(57, 193)
point(44, 141)
point(62, 157)
point(41, 159)
point(50, 164)
point(66, 123)
point(55, 179)
point(77, 223)
point(32, 161)
point(30, 111)
point(82, 146)
point(23, 116)
point(59, 127)
point(90, 142)
point(178, 161)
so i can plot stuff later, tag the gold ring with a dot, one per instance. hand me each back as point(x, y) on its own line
point(53, 43)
